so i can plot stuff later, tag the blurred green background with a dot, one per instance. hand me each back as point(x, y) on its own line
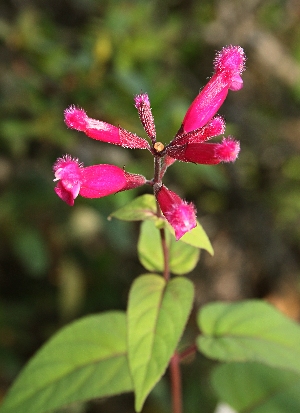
point(58, 263)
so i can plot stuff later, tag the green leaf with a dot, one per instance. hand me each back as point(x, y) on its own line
point(249, 331)
point(182, 257)
point(156, 316)
point(256, 388)
point(149, 247)
point(140, 209)
point(197, 237)
point(84, 360)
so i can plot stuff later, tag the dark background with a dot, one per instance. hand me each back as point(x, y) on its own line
point(58, 263)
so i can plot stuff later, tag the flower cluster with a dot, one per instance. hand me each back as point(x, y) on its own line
point(189, 145)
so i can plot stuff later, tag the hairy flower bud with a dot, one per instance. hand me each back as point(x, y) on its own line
point(206, 153)
point(76, 118)
point(215, 127)
point(142, 103)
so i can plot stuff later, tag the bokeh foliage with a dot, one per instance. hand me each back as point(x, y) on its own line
point(58, 263)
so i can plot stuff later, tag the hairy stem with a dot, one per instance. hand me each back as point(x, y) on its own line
point(157, 170)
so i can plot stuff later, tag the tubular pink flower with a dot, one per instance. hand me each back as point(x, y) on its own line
point(180, 214)
point(76, 118)
point(228, 67)
point(91, 182)
point(206, 153)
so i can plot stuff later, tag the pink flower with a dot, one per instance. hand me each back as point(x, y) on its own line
point(91, 182)
point(228, 66)
point(76, 118)
point(206, 153)
point(180, 214)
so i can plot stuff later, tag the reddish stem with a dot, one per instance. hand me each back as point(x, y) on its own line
point(188, 351)
point(176, 383)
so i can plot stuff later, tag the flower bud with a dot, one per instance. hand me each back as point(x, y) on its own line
point(206, 153)
point(76, 118)
point(142, 104)
point(180, 214)
point(215, 127)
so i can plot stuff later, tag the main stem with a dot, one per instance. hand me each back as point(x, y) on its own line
point(176, 390)
point(175, 373)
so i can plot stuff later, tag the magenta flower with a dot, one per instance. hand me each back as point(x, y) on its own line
point(180, 214)
point(190, 144)
point(229, 65)
point(91, 182)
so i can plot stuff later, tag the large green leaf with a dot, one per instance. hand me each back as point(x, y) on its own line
point(257, 388)
point(140, 209)
point(182, 257)
point(249, 331)
point(157, 315)
point(84, 360)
